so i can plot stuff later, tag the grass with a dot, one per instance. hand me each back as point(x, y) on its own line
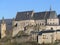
point(8, 42)
point(23, 43)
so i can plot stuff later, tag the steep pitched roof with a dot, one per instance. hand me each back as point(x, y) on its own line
point(46, 31)
point(45, 15)
point(26, 15)
point(53, 15)
point(39, 15)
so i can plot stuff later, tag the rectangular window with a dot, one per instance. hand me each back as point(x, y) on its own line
point(45, 37)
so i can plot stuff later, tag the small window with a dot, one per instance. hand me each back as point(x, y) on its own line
point(44, 36)
point(51, 28)
point(50, 23)
point(16, 25)
point(42, 23)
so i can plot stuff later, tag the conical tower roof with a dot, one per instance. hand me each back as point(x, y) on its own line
point(52, 14)
point(3, 20)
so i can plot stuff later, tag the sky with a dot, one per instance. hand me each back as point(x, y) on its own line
point(9, 8)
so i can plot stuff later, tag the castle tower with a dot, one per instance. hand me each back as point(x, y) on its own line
point(3, 28)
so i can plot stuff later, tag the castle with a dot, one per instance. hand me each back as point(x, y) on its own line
point(45, 25)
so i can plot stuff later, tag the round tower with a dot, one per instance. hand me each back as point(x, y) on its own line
point(3, 28)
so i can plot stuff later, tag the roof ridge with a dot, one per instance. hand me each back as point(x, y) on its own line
point(25, 11)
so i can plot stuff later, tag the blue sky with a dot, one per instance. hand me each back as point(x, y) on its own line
point(9, 8)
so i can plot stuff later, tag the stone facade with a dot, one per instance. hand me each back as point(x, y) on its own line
point(3, 29)
point(39, 21)
point(53, 21)
point(44, 38)
point(35, 21)
point(20, 25)
point(30, 21)
point(52, 27)
point(50, 37)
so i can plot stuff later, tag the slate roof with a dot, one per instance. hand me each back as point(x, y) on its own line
point(40, 15)
point(26, 15)
point(57, 30)
point(59, 16)
point(45, 15)
point(53, 15)
point(36, 16)
point(46, 31)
